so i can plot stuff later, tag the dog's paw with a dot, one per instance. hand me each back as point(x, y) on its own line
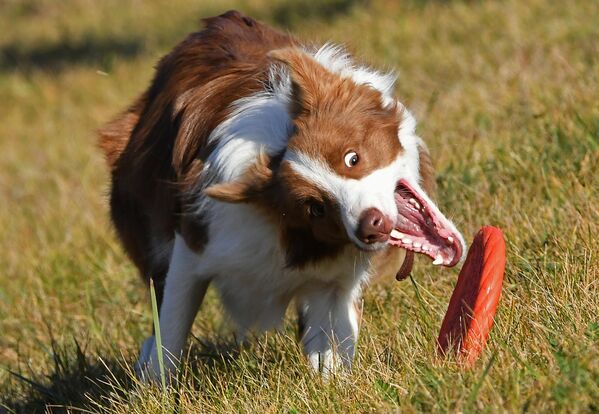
point(147, 368)
point(142, 365)
point(326, 363)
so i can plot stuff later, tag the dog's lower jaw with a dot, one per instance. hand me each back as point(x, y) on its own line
point(367, 247)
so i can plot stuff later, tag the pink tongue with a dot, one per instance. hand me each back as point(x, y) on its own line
point(419, 222)
point(406, 267)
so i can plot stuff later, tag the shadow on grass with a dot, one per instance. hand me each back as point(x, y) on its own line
point(292, 14)
point(79, 381)
point(87, 51)
point(75, 381)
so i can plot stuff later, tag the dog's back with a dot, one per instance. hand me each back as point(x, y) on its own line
point(157, 148)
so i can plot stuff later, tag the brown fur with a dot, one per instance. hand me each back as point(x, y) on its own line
point(114, 136)
point(250, 188)
point(306, 238)
point(333, 115)
point(157, 148)
point(427, 171)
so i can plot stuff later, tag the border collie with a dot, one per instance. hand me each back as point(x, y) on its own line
point(277, 172)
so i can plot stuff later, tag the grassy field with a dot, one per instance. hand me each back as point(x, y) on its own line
point(507, 95)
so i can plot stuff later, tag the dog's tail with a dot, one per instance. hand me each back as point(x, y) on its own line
point(114, 136)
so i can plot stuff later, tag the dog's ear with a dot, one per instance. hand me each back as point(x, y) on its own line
point(426, 169)
point(250, 186)
point(305, 75)
point(114, 136)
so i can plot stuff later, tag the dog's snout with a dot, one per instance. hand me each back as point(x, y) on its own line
point(374, 227)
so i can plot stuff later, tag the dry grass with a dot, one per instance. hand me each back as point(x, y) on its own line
point(507, 94)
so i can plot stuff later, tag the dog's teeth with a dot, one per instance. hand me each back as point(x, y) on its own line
point(450, 239)
point(438, 260)
point(425, 248)
point(395, 234)
point(414, 203)
point(405, 240)
point(417, 245)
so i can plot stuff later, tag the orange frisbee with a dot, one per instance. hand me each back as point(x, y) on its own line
point(472, 306)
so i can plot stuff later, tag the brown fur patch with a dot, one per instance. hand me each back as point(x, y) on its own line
point(427, 171)
point(307, 238)
point(250, 187)
point(194, 231)
point(114, 136)
point(333, 116)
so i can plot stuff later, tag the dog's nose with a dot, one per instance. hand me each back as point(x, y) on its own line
point(374, 227)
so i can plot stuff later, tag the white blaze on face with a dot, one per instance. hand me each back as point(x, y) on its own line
point(354, 196)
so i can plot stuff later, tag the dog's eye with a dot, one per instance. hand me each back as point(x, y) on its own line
point(315, 209)
point(351, 159)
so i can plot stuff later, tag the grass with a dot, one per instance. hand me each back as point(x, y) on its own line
point(157, 334)
point(507, 95)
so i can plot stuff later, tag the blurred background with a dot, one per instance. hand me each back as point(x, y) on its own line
point(507, 97)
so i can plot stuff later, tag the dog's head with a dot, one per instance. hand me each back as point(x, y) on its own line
point(353, 171)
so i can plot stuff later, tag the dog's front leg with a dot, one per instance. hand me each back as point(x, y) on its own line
point(183, 294)
point(328, 322)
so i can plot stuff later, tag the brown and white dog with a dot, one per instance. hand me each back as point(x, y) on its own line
point(275, 171)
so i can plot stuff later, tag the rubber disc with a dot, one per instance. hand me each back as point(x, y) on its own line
point(472, 306)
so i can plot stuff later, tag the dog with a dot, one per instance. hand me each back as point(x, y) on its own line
point(277, 171)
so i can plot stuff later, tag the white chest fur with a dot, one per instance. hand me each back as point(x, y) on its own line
point(246, 263)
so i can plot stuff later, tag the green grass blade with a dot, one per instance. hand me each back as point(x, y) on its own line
point(157, 336)
point(479, 383)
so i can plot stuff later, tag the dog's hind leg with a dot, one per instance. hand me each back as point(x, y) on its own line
point(184, 291)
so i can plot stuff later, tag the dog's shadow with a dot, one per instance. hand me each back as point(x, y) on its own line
point(79, 378)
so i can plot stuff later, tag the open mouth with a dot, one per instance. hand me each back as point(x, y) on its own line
point(422, 229)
